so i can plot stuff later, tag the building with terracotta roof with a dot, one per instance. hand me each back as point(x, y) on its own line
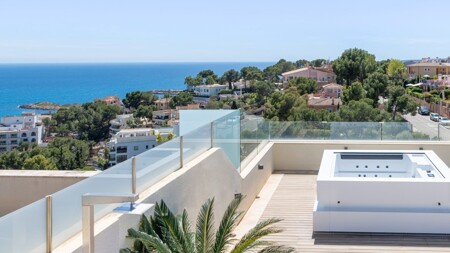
point(324, 103)
point(331, 90)
point(320, 75)
point(428, 68)
point(162, 104)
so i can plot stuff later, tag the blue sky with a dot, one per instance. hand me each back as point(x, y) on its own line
point(231, 30)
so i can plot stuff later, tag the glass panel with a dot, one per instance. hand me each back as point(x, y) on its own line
point(196, 142)
point(227, 136)
point(25, 229)
point(155, 164)
point(249, 137)
point(67, 202)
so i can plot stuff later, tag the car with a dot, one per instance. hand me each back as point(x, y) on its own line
point(423, 110)
point(434, 116)
point(444, 121)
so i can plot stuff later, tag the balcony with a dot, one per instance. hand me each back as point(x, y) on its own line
point(277, 161)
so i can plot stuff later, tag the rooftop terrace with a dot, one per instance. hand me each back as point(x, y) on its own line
point(221, 157)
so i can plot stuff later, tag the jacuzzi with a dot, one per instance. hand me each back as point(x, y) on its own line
point(383, 192)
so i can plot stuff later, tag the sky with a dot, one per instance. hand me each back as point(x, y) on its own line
point(52, 31)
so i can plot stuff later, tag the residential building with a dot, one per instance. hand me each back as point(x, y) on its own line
point(130, 142)
point(120, 122)
point(209, 90)
point(17, 129)
point(111, 100)
point(162, 104)
point(322, 75)
point(331, 90)
point(428, 68)
point(326, 103)
point(165, 117)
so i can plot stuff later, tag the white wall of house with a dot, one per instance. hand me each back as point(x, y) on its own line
point(124, 146)
point(18, 129)
point(209, 90)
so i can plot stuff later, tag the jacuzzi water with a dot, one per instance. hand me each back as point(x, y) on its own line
point(384, 165)
point(382, 191)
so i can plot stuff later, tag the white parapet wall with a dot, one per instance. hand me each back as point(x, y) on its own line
point(19, 188)
point(209, 175)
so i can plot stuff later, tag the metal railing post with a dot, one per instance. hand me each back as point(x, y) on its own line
point(49, 223)
point(212, 134)
point(133, 179)
point(381, 130)
point(133, 175)
point(439, 132)
point(181, 152)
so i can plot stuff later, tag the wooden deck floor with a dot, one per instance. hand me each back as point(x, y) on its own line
point(293, 202)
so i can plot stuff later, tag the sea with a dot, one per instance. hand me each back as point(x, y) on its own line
point(79, 83)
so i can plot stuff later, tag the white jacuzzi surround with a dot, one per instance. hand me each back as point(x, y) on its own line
point(395, 191)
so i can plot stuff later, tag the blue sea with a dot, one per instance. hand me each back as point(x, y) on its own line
point(79, 83)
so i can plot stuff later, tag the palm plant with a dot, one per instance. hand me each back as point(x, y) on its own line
point(166, 233)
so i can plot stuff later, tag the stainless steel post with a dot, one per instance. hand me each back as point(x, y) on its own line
point(181, 152)
point(49, 223)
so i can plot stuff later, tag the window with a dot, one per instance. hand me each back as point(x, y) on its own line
point(24, 134)
point(136, 148)
point(2, 136)
point(121, 158)
point(121, 149)
point(2, 142)
point(26, 139)
point(33, 133)
point(33, 140)
point(13, 135)
point(13, 142)
point(112, 157)
point(146, 146)
point(2, 149)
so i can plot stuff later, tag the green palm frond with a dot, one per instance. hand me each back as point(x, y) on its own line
point(204, 234)
point(187, 233)
point(229, 220)
point(250, 239)
point(151, 243)
point(127, 250)
point(276, 249)
point(171, 228)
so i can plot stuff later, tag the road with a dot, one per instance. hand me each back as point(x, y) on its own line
point(423, 124)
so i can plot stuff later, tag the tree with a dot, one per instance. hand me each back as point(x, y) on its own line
point(303, 85)
point(399, 101)
point(144, 111)
point(361, 111)
point(396, 70)
point(214, 104)
point(355, 91)
point(251, 73)
point(375, 85)
point(68, 153)
point(354, 65)
point(181, 99)
point(301, 63)
point(273, 72)
point(264, 89)
point(39, 162)
point(134, 99)
point(192, 81)
point(318, 62)
point(230, 77)
point(166, 232)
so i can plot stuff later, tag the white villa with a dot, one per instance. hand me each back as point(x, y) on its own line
point(17, 129)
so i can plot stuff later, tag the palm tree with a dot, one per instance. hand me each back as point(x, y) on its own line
point(167, 233)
